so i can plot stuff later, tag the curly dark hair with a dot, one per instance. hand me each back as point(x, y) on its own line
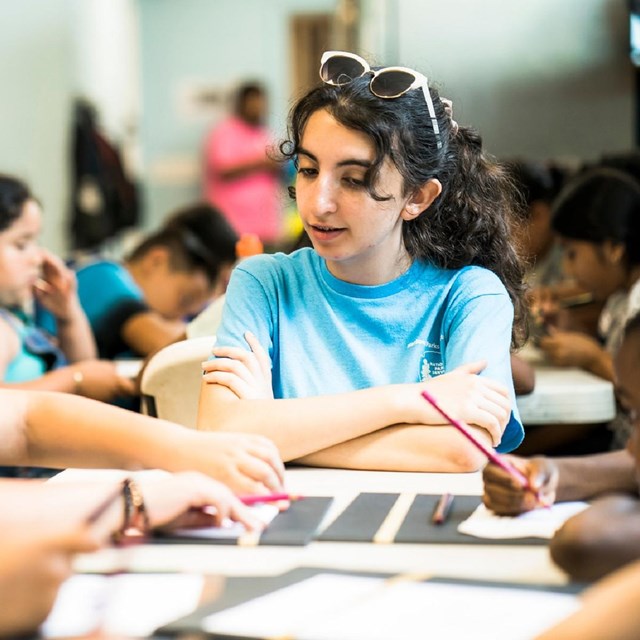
point(470, 223)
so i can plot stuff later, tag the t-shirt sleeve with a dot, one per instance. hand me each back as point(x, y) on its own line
point(249, 306)
point(479, 328)
point(109, 298)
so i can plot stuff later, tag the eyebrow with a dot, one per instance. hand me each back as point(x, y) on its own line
point(366, 164)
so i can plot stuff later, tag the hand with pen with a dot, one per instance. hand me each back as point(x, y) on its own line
point(504, 495)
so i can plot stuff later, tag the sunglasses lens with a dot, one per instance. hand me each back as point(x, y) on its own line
point(391, 83)
point(339, 70)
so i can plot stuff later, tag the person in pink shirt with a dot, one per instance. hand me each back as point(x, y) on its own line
point(239, 176)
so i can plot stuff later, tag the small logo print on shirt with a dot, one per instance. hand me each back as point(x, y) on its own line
point(431, 361)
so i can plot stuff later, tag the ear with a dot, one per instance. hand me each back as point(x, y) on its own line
point(613, 252)
point(421, 199)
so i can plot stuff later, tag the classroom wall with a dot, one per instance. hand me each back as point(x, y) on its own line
point(539, 78)
point(195, 45)
point(51, 51)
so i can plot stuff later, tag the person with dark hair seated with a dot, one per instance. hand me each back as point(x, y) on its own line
point(605, 536)
point(140, 306)
point(30, 357)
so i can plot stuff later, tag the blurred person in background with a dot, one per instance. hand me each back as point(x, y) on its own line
point(239, 176)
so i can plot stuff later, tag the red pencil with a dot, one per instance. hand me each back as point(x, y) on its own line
point(490, 453)
point(269, 497)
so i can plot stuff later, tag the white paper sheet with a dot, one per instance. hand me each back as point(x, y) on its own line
point(128, 604)
point(539, 523)
point(331, 607)
point(229, 529)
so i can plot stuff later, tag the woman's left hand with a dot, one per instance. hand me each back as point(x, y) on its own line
point(246, 373)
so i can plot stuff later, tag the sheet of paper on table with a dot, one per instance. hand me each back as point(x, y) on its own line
point(539, 523)
point(131, 605)
point(339, 607)
point(229, 530)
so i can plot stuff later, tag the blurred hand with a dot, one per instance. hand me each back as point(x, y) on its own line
point(173, 500)
point(465, 395)
point(56, 289)
point(33, 565)
point(100, 380)
point(248, 464)
point(245, 373)
point(570, 349)
point(505, 496)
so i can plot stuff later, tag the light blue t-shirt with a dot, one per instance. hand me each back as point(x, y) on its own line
point(327, 336)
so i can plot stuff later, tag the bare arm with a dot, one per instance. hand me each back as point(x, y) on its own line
point(332, 427)
point(599, 540)
point(609, 611)
point(57, 292)
point(147, 332)
point(404, 448)
point(524, 377)
point(59, 430)
point(558, 479)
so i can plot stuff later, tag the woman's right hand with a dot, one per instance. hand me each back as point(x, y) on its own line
point(99, 380)
point(505, 496)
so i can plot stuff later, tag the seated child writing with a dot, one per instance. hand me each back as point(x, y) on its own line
point(605, 536)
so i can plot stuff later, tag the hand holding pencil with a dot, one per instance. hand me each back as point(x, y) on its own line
point(506, 497)
point(502, 462)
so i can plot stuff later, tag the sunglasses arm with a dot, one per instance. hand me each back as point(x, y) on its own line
point(432, 113)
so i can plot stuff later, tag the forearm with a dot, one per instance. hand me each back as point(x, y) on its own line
point(76, 338)
point(585, 477)
point(600, 539)
point(601, 365)
point(609, 611)
point(299, 426)
point(427, 448)
point(63, 430)
point(61, 380)
point(147, 332)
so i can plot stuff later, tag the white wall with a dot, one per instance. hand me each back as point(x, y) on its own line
point(51, 51)
point(539, 78)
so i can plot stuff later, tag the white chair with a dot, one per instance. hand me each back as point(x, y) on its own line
point(170, 383)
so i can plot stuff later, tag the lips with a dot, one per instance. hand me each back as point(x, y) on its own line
point(322, 232)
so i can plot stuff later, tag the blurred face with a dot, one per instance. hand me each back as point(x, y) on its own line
point(627, 365)
point(182, 294)
point(20, 256)
point(359, 237)
point(253, 108)
point(588, 264)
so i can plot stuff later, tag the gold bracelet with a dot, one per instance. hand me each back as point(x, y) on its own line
point(78, 379)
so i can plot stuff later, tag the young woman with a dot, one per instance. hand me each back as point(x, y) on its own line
point(29, 358)
point(411, 284)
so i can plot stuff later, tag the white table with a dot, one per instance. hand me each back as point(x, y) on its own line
point(565, 395)
point(524, 564)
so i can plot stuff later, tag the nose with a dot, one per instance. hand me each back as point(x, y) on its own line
point(325, 201)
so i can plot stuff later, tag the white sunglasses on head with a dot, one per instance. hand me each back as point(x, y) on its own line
point(341, 67)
